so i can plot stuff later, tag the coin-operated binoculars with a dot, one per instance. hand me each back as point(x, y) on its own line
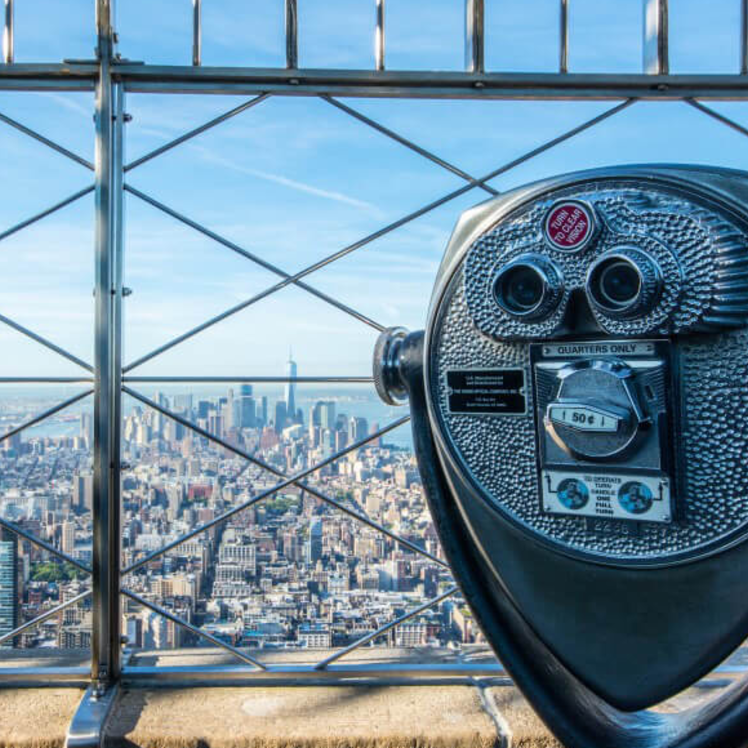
point(579, 404)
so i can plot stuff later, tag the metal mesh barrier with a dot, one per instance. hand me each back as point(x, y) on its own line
point(107, 378)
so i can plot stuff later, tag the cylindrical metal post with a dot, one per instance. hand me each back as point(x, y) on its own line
point(8, 33)
point(744, 37)
point(563, 55)
point(656, 37)
point(292, 35)
point(105, 648)
point(379, 39)
point(197, 32)
point(474, 36)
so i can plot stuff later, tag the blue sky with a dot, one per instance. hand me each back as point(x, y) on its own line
point(295, 179)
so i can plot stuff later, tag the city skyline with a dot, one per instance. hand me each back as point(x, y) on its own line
point(340, 579)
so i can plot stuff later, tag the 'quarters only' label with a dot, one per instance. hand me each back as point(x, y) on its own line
point(486, 391)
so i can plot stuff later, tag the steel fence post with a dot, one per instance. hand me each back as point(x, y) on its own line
point(107, 354)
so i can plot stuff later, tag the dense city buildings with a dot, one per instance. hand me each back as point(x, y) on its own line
point(291, 569)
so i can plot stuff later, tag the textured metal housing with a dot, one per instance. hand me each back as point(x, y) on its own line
point(700, 244)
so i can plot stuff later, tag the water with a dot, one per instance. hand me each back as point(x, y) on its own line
point(352, 400)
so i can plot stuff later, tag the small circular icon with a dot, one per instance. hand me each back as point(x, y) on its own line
point(569, 225)
point(573, 493)
point(635, 497)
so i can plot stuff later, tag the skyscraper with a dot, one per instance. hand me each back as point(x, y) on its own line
point(247, 410)
point(8, 585)
point(67, 537)
point(83, 493)
point(290, 394)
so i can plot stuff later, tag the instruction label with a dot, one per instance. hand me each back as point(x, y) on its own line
point(486, 391)
point(631, 497)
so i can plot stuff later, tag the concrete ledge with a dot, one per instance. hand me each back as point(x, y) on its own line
point(304, 717)
point(36, 717)
point(522, 724)
point(487, 715)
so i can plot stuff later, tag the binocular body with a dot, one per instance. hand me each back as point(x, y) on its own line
point(579, 402)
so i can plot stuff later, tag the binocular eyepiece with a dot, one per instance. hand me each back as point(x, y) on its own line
point(623, 283)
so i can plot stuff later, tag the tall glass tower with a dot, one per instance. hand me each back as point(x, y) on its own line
point(291, 389)
point(8, 584)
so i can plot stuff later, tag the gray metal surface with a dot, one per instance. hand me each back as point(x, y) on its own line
point(693, 246)
point(8, 32)
point(105, 639)
point(88, 726)
point(197, 32)
point(361, 673)
point(379, 37)
point(655, 41)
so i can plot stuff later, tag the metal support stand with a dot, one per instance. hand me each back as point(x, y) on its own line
point(89, 722)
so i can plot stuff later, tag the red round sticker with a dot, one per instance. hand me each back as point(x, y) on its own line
point(569, 225)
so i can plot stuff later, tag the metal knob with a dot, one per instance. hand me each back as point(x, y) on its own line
point(386, 366)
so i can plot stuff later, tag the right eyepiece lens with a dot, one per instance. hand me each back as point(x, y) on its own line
point(620, 282)
point(616, 286)
point(520, 289)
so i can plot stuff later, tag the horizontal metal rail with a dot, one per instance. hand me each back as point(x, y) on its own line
point(175, 79)
point(44, 84)
point(46, 380)
point(353, 674)
point(254, 379)
point(41, 677)
point(429, 84)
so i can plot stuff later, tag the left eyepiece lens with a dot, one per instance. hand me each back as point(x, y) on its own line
point(521, 289)
point(527, 289)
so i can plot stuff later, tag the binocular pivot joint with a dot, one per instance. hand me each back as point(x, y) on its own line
point(386, 366)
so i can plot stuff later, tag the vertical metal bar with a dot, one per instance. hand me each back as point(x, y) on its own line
point(744, 37)
point(197, 32)
point(379, 39)
point(107, 365)
point(8, 33)
point(292, 35)
point(474, 36)
point(563, 52)
point(655, 45)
